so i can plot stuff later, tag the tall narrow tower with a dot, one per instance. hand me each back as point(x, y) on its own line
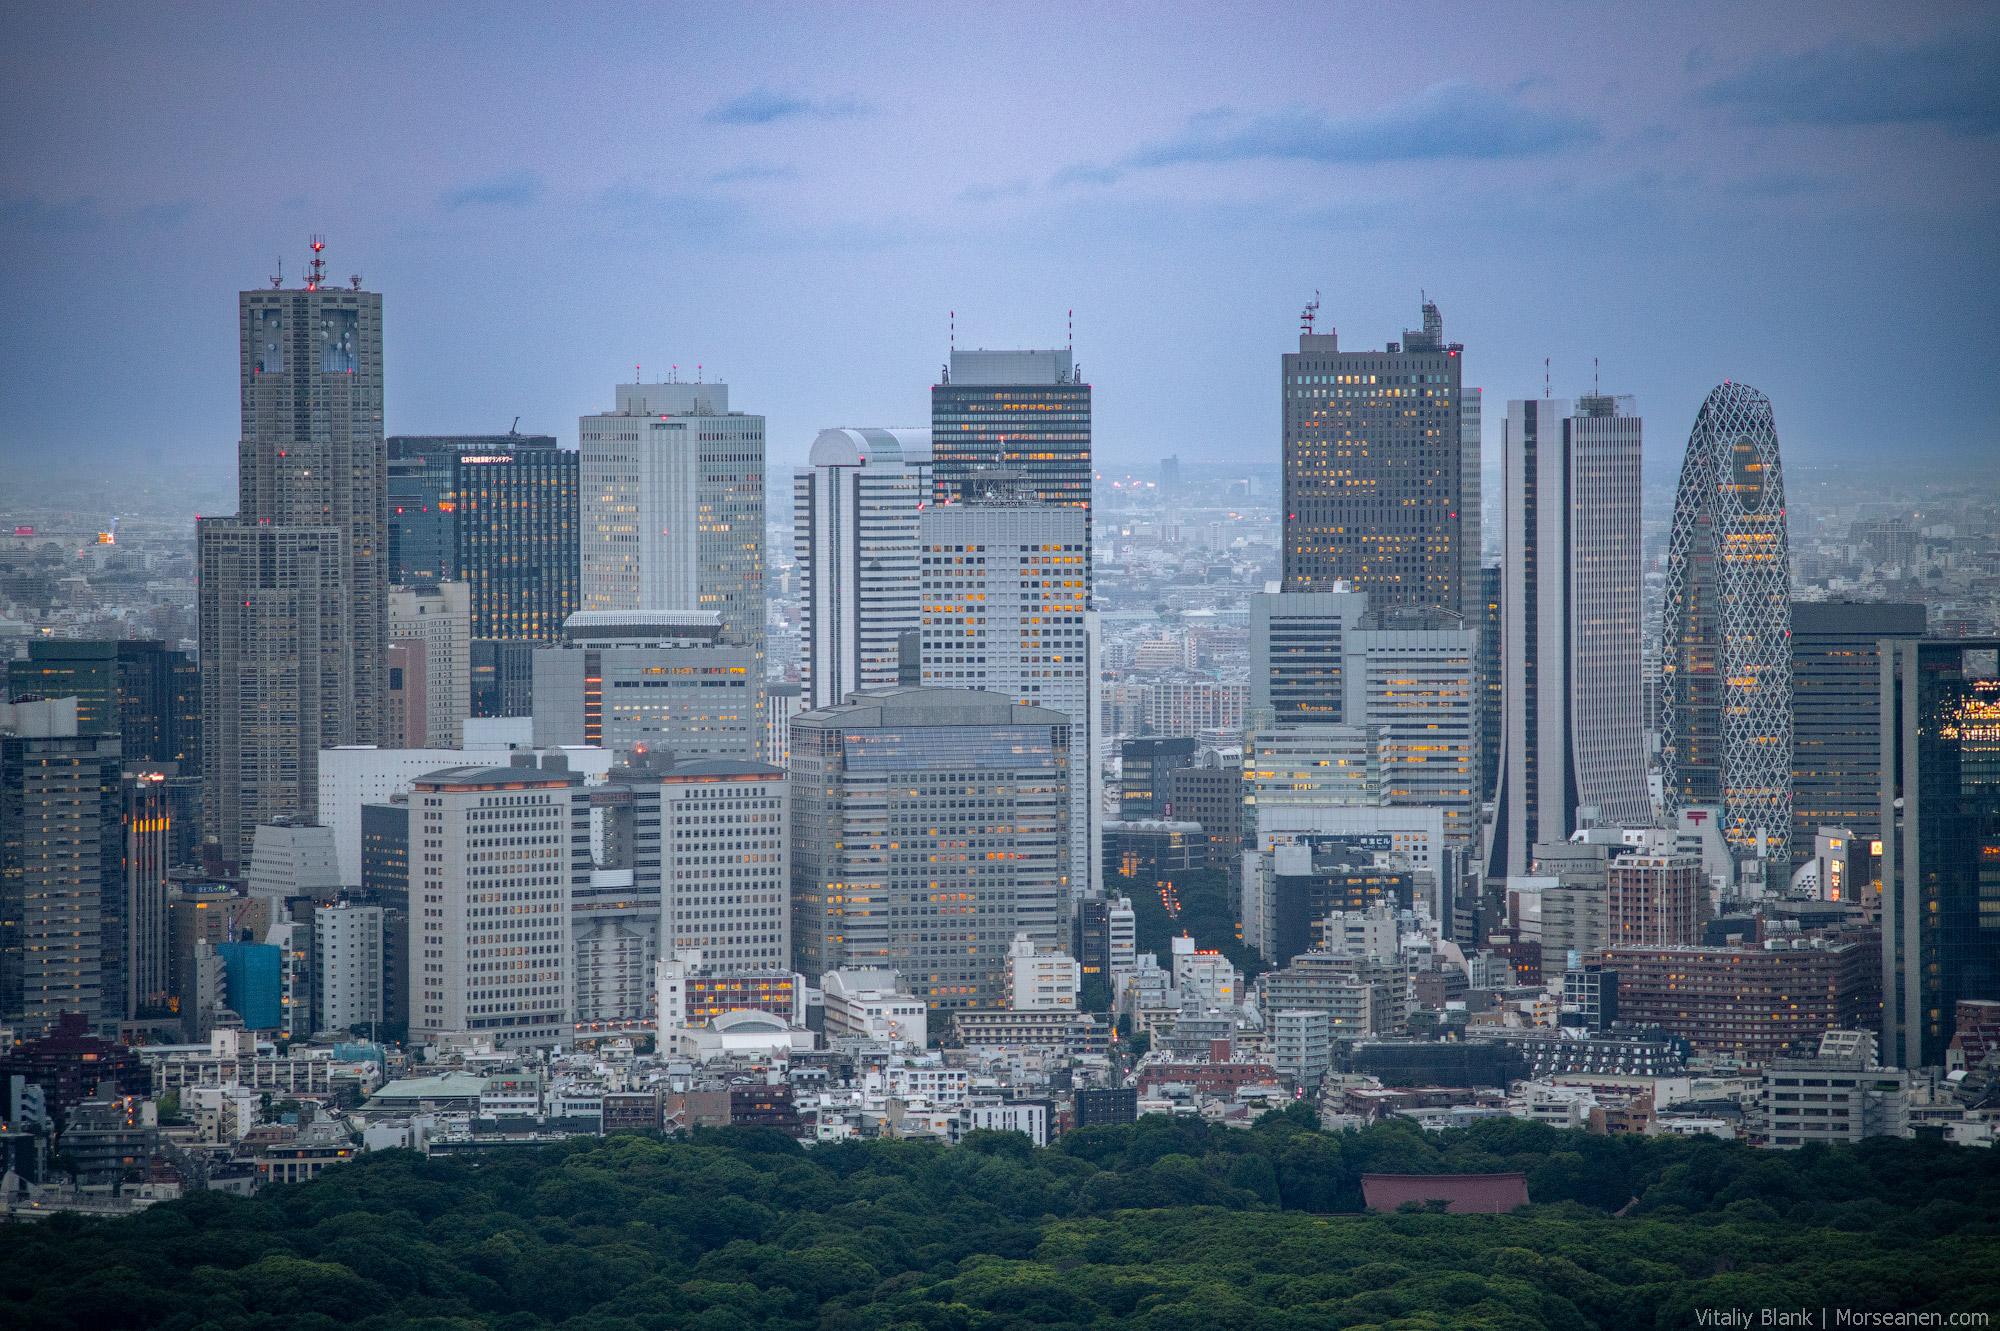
point(1726, 714)
point(854, 518)
point(293, 595)
point(1572, 732)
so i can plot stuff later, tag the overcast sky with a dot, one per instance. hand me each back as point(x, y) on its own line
point(1802, 197)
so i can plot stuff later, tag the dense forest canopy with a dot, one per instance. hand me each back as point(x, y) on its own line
point(1161, 1226)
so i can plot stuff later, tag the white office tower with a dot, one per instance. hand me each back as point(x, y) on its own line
point(854, 515)
point(493, 851)
point(726, 842)
point(347, 966)
point(1006, 608)
point(1572, 731)
point(293, 857)
point(673, 509)
point(439, 615)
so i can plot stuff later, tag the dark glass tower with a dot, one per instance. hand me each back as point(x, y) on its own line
point(1375, 465)
point(1940, 812)
point(1836, 722)
point(1025, 411)
point(514, 534)
point(135, 688)
point(496, 511)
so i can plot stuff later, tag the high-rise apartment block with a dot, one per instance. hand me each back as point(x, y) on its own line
point(1939, 813)
point(293, 595)
point(439, 615)
point(1750, 1004)
point(1726, 706)
point(855, 513)
point(673, 510)
point(1006, 608)
point(1376, 459)
point(1837, 714)
point(1572, 734)
point(62, 881)
point(929, 826)
point(494, 852)
point(1653, 900)
point(499, 513)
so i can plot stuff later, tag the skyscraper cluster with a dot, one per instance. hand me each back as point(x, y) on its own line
point(486, 743)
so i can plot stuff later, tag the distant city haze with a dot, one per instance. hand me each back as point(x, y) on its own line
point(800, 200)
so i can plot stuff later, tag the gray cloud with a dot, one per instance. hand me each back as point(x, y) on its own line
point(1446, 120)
point(512, 189)
point(1952, 80)
point(762, 105)
point(752, 171)
point(35, 215)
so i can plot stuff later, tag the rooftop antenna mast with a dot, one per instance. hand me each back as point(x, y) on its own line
point(279, 280)
point(1309, 313)
point(317, 272)
point(1594, 390)
point(1546, 391)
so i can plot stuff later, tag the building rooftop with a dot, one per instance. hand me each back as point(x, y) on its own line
point(919, 706)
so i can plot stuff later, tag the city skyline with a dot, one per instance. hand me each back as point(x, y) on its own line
point(1469, 166)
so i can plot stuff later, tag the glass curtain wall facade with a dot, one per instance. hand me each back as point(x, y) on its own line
point(1726, 661)
point(1026, 412)
point(1836, 723)
point(1940, 821)
point(928, 826)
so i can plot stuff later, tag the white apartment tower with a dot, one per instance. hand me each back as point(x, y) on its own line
point(493, 851)
point(1007, 609)
point(673, 509)
point(855, 512)
point(1573, 714)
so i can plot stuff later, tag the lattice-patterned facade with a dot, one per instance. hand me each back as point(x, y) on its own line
point(1725, 654)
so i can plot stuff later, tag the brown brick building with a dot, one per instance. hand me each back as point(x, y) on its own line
point(1750, 1003)
point(1652, 900)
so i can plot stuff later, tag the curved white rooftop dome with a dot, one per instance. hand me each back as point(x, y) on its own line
point(851, 446)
